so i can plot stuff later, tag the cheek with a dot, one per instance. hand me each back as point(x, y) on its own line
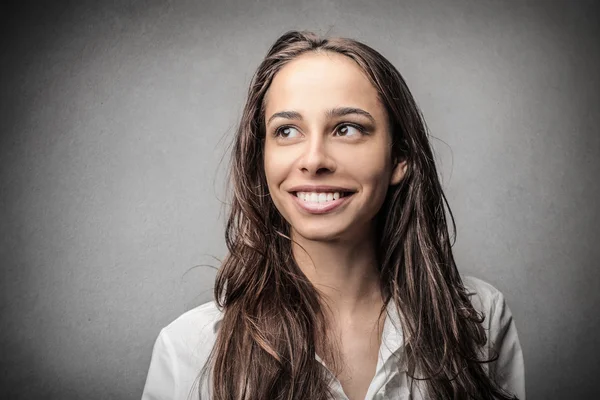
point(372, 168)
point(276, 166)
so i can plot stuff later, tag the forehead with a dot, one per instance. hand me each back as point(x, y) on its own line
point(321, 80)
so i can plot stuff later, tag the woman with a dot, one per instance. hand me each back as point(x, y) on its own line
point(340, 280)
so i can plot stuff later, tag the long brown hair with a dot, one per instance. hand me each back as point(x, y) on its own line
point(265, 348)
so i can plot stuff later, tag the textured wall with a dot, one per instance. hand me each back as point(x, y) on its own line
point(115, 122)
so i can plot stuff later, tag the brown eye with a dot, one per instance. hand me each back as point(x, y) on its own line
point(285, 132)
point(349, 130)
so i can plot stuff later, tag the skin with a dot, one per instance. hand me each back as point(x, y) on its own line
point(319, 150)
point(339, 250)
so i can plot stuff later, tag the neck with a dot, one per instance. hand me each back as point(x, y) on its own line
point(344, 271)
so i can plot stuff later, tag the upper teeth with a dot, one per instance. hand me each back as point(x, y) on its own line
point(315, 197)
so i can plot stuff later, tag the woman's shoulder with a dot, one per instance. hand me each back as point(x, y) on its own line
point(491, 304)
point(484, 296)
point(503, 343)
point(195, 327)
point(181, 351)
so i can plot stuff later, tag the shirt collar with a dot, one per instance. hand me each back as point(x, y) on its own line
point(392, 339)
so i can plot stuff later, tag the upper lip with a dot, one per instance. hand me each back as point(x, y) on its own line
point(319, 188)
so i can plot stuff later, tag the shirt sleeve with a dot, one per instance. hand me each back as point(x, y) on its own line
point(162, 374)
point(509, 369)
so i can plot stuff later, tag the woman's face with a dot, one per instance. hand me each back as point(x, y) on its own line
point(315, 150)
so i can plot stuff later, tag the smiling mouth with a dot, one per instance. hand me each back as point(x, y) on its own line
point(320, 203)
point(321, 197)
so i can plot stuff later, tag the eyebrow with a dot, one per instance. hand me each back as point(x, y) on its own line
point(334, 112)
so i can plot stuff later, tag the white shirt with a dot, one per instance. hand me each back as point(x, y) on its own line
point(183, 347)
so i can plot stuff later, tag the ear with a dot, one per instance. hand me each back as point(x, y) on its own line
point(398, 172)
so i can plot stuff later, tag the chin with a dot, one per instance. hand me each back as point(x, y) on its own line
point(319, 232)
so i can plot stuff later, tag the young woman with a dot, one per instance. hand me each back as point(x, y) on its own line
point(340, 281)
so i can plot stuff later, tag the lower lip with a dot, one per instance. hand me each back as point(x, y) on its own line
point(320, 208)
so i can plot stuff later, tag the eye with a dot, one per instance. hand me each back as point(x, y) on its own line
point(286, 132)
point(349, 130)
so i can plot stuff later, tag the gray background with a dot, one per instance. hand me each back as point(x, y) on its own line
point(115, 124)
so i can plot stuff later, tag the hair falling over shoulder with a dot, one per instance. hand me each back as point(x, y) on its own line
point(273, 314)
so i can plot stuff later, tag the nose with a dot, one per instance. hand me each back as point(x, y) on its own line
point(316, 158)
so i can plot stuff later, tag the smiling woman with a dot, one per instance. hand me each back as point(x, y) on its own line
point(341, 138)
point(340, 281)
